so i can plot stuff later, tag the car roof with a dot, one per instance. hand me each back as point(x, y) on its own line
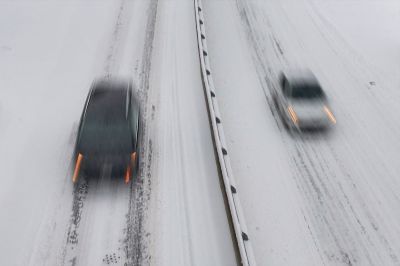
point(300, 77)
point(105, 125)
point(108, 99)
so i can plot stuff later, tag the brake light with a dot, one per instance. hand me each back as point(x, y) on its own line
point(293, 115)
point(129, 169)
point(77, 168)
point(128, 174)
point(330, 115)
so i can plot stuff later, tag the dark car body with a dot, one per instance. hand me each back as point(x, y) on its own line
point(108, 129)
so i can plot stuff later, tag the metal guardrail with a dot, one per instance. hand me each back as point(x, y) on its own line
point(239, 225)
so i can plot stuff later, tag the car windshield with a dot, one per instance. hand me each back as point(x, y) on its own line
point(307, 92)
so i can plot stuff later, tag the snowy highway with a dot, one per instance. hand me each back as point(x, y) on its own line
point(321, 198)
point(313, 198)
point(173, 213)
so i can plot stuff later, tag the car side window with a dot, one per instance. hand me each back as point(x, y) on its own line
point(286, 89)
point(283, 84)
point(129, 106)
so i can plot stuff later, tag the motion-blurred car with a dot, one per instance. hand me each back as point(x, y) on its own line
point(301, 102)
point(108, 130)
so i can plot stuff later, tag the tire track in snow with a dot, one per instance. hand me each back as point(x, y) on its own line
point(355, 207)
point(80, 193)
point(332, 210)
point(138, 191)
point(117, 34)
point(314, 180)
point(340, 214)
point(136, 237)
point(69, 252)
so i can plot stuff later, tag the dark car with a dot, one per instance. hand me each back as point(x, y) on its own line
point(301, 101)
point(108, 130)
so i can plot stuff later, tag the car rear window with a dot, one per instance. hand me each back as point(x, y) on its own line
point(307, 92)
point(106, 138)
point(105, 128)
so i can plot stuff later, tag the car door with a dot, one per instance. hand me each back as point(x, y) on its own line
point(133, 118)
point(281, 94)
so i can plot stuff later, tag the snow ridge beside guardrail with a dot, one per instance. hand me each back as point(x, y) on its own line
point(239, 225)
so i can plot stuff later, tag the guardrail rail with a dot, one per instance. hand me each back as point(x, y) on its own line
point(235, 209)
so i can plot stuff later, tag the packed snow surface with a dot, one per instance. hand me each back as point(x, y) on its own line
point(321, 198)
point(313, 198)
point(173, 213)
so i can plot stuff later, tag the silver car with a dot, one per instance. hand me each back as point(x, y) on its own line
point(301, 102)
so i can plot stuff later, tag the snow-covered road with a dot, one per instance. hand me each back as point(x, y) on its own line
point(174, 213)
point(323, 198)
point(192, 226)
point(311, 199)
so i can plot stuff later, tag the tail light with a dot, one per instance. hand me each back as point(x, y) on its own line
point(129, 168)
point(293, 115)
point(330, 115)
point(77, 167)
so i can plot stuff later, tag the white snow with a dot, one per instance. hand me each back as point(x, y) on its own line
point(50, 51)
point(192, 228)
point(308, 199)
point(313, 199)
point(47, 59)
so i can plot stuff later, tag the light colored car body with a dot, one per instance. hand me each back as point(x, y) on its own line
point(301, 102)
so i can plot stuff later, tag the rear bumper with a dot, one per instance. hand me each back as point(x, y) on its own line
point(314, 124)
point(308, 124)
point(311, 125)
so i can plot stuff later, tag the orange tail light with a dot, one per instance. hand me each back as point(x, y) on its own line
point(128, 175)
point(330, 115)
point(77, 167)
point(293, 115)
point(129, 169)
